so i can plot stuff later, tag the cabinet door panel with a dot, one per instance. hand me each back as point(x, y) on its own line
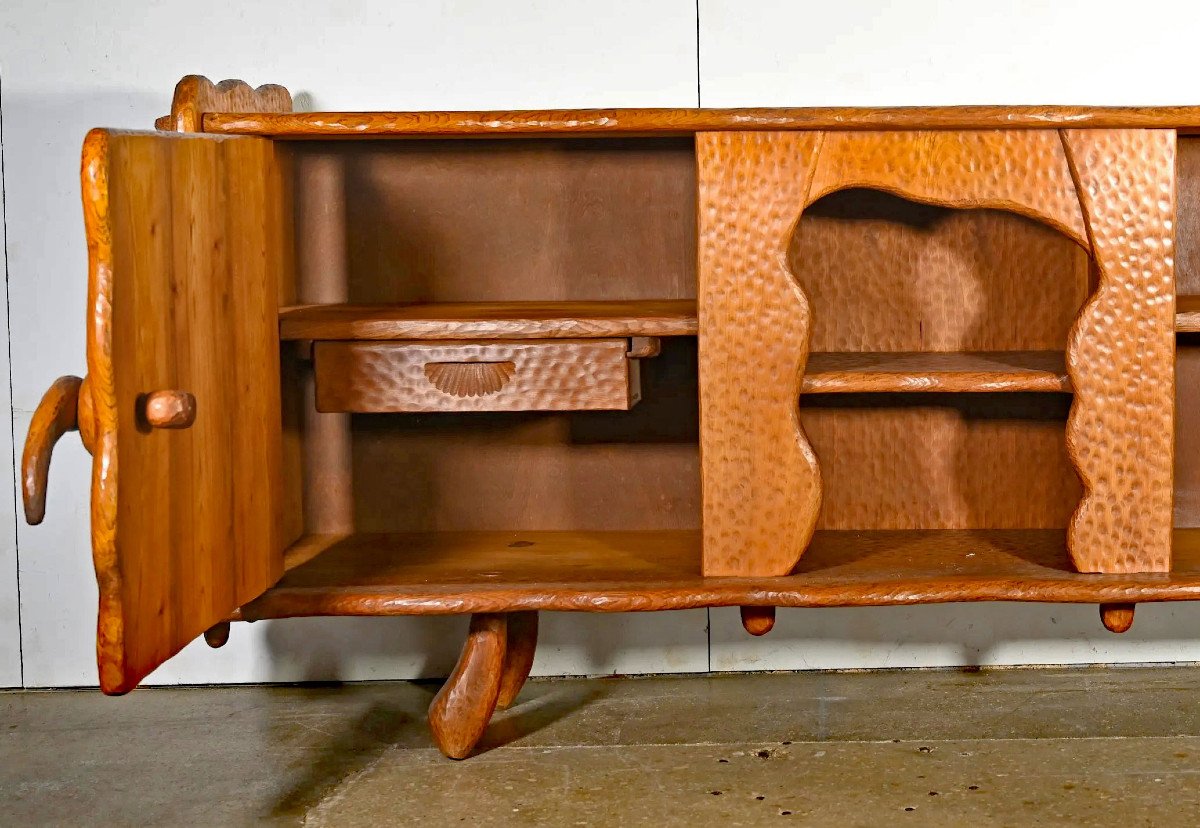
point(185, 250)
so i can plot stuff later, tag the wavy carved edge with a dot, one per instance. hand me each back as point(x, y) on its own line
point(195, 95)
point(759, 181)
point(1137, 477)
point(469, 379)
point(110, 632)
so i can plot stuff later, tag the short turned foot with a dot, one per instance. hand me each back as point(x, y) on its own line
point(217, 635)
point(518, 656)
point(758, 620)
point(462, 708)
point(1117, 618)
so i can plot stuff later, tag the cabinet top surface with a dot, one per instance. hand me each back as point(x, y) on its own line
point(687, 121)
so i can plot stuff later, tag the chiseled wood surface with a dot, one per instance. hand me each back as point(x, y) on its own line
point(460, 711)
point(518, 656)
point(684, 121)
point(1121, 353)
point(760, 482)
point(184, 260)
point(196, 95)
point(55, 415)
point(490, 320)
point(444, 573)
point(1024, 172)
point(907, 372)
point(559, 375)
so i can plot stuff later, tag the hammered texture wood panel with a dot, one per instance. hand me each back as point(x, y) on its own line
point(759, 476)
point(883, 273)
point(1121, 354)
point(563, 375)
point(1024, 172)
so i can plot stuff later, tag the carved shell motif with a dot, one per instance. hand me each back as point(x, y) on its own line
point(469, 379)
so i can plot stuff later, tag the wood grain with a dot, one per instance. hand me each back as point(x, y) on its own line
point(444, 573)
point(183, 283)
point(518, 656)
point(686, 121)
point(558, 375)
point(490, 320)
point(758, 620)
point(908, 372)
point(196, 95)
point(461, 710)
point(55, 415)
point(759, 477)
point(1121, 353)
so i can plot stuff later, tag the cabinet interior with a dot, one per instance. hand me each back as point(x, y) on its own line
point(421, 222)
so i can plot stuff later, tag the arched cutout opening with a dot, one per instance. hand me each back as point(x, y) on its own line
point(883, 274)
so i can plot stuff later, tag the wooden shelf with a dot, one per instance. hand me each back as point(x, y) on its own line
point(1187, 314)
point(490, 320)
point(460, 572)
point(849, 373)
point(533, 320)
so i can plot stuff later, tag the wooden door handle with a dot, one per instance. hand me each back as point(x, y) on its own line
point(57, 413)
point(170, 409)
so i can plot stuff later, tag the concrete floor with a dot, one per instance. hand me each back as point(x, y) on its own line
point(1015, 747)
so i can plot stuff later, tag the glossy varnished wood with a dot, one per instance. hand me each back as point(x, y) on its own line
point(490, 320)
point(684, 121)
point(459, 572)
point(554, 375)
point(460, 711)
point(908, 372)
point(184, 237)
point(55, 415)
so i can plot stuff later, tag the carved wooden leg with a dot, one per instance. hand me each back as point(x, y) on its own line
point(518, 656)
point(462, 708)
point(1117, 618)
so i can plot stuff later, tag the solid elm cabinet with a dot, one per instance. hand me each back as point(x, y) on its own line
point(628, 360)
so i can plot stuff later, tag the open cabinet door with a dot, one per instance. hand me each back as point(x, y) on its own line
point(187, 260)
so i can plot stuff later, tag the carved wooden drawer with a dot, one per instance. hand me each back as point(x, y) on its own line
point(557, 375)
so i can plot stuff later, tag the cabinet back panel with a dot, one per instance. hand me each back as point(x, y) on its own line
point(631, 470)
point(886, 274)
point(456, 221)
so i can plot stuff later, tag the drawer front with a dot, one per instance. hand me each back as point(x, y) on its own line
point(559, 375)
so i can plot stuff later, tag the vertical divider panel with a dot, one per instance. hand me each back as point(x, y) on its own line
point(1121, 352)
point(760, 478)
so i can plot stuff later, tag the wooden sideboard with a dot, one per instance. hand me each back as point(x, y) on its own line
point(493, 363)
